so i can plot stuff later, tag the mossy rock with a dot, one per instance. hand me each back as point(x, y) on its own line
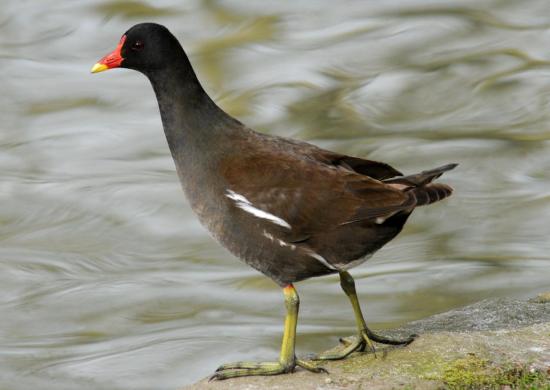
point(493, 344)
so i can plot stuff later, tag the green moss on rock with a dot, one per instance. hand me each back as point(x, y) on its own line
point(494, 344)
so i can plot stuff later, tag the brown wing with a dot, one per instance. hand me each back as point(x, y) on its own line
point(374, 169)
point(322, 201)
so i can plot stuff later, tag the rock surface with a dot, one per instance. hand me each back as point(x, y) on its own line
point(493, 344)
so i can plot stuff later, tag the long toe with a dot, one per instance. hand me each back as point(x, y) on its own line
point(362, 343)
point(238, 369)
point(311, 367)
point(342, 353)
point(388, 341)
point(247, 365)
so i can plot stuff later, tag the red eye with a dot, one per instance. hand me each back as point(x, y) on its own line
point(138, 45)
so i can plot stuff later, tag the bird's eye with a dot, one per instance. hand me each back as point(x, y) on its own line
point(138, 45)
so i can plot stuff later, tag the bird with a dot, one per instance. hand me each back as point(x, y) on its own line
point(285, 207)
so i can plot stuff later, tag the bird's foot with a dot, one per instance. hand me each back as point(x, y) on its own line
point(384, 340)
point(238, 369)
point(362, 343)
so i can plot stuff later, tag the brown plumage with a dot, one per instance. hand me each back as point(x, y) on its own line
point(339, 207)
point(287, 208)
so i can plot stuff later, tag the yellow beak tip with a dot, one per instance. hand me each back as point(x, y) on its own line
point(99, 68)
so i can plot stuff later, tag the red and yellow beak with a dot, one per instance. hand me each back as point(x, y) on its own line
point(111, 60)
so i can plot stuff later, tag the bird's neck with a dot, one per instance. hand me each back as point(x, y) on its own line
point(192, 121)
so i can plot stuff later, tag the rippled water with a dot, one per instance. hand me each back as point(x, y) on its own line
point(107, 281)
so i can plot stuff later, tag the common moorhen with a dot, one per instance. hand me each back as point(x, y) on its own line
point(287, 208)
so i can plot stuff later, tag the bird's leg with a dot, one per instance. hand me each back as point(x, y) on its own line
point(365, 336)
point(287, 359)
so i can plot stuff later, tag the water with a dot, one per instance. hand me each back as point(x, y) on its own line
point(107, 281)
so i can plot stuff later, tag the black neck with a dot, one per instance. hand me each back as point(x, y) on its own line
point(191, 120)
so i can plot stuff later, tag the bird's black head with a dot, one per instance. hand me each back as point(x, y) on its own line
point(146, 47)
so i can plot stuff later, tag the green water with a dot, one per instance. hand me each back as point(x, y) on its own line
point(107, 281)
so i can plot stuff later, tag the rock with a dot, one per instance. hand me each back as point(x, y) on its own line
point(492, 344)
point(542, 298)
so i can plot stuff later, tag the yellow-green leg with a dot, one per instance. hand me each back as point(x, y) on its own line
point(287, 359)
point(365, 336)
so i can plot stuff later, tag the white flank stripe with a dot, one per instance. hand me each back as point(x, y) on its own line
point(269, 236)
point(245, 204)
point(322, 260)
point(284, 243)
point(281, 242)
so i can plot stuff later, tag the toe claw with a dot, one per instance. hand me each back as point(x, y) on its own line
point(312, 367)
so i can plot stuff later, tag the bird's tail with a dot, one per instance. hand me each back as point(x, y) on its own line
point(420, 184)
